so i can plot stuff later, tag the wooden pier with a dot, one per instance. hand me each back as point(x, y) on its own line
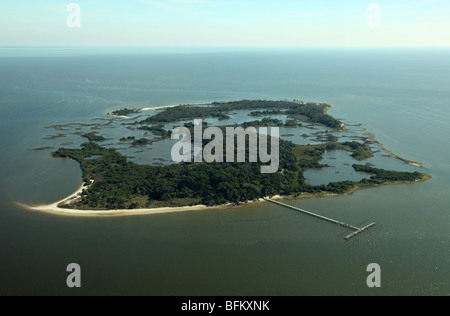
point(356, 229)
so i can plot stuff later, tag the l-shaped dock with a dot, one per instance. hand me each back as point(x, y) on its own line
point(348, 237)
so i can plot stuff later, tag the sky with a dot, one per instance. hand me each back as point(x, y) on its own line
point(226, 23)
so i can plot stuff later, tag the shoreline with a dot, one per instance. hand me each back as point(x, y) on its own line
point(155, 108)
point(59, 207)
point(371, 138)
point(54, 208)
point(119, 116)
point(159, 108)
point(171, 106)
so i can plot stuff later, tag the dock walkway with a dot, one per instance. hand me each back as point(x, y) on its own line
point(356, 229)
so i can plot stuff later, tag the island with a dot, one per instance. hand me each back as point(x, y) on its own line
point(124, 112)
point(112, 182)
point(93, 137)
point(306, 112)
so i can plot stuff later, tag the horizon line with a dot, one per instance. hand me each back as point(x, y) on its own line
point(220, 47)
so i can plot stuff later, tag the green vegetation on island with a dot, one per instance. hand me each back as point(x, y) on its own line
point(129, 138)
point(381, 176)
point(309, 156)
point(315, 113)
point(262, 113)
point(93, 137)
point(271, 122)
point(311, 112)
point(185, 113)
point(119, 183)
point(157, 130)
point(125, 112)
point(122, 184)
point(142, 142)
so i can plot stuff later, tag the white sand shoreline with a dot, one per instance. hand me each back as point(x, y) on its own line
point(156, 108)
point(119, 116)
point(146, 109)
point(159, 108)
point(54, 209)
point(170, 106)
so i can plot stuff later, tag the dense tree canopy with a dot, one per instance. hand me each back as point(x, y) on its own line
point(315, 113)
point(119, 183)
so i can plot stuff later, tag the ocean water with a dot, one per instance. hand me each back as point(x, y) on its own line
point(402, 96)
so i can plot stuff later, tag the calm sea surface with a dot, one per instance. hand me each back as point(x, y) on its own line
point(401, 96)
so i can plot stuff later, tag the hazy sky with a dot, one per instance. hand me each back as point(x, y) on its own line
point(268, 23)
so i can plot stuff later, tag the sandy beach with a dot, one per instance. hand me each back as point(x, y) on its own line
point(54, 209)
point(119, 116)
point(144, 109)
point(159, 108)
point(170, 106)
